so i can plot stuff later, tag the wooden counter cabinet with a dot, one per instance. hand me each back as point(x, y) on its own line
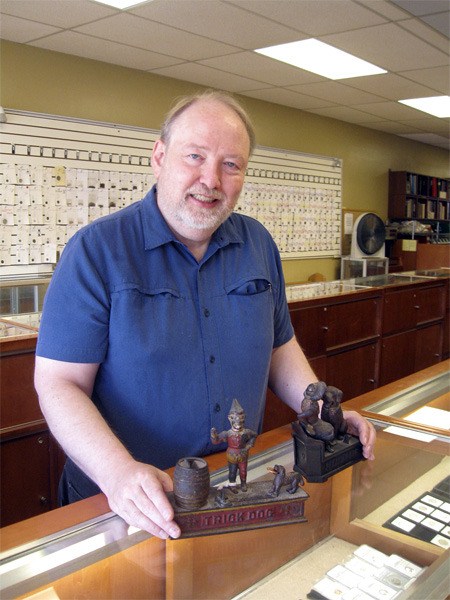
point(31, 460)
point(413, 328)
point(341, 335)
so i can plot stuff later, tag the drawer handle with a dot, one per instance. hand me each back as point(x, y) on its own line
point(371, 380)
point(324, 328)
point(416, 306)
point(43, 500)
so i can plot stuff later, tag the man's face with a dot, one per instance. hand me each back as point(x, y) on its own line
point(200, 170)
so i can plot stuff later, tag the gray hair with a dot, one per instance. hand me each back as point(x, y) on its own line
point(212, 95)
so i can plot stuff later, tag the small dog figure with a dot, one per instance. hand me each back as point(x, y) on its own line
point(332, 412)
point(292, 481)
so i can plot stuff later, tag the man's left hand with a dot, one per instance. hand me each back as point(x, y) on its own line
point(358, 425)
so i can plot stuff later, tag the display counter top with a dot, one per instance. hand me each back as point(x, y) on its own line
point(422, 406)
point(83, 550)
point(323, 289)
point(12, 328)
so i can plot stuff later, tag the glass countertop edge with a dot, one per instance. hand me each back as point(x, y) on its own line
point(18, 580)
point(436, 434)
point(410, 397)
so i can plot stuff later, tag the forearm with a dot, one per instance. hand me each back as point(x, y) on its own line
point(290, 374)
point(78, 426)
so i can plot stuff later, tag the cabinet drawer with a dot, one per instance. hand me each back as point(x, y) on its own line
point(430, 304)
point(399, 313)
point(428, 346)
point(397, 357)
point(354, 371)
point(25, 477)
point(309, 327)
point(19, 399)
point(405, 309)
point(352, 322)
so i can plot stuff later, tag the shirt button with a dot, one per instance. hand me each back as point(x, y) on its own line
point(206, 312)
point(217, 407)
point(212, 359)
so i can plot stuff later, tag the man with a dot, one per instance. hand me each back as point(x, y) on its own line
point(157, 316)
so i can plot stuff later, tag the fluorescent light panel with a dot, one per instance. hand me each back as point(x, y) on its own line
point(323, 59)
point(121, 3)
point(438, 106)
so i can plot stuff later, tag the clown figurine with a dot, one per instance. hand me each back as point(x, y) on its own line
point(239, 440)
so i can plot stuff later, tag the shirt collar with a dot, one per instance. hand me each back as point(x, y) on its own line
point(157, 232)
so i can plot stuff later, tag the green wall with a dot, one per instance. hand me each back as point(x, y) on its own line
point(50, 82)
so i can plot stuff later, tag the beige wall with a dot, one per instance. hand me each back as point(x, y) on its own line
point(50, 82)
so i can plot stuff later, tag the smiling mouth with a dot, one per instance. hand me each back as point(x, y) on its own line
point(204, 199)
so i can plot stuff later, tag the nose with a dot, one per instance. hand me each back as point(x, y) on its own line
point(210, 175)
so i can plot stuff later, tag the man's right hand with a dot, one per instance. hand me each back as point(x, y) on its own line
point(137, 493)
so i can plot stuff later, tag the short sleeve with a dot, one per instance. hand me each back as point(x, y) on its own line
point(75, 320)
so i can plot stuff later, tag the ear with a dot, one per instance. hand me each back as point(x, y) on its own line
point(158, 154)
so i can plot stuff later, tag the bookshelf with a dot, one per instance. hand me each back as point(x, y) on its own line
point(419, 197)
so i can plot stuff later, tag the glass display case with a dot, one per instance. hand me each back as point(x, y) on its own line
point(307, 291)
point(363, 267)
point(22, 296)
point(73, 553)
point(16, 328)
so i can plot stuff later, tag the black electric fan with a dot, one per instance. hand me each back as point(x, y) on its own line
point(368, 237)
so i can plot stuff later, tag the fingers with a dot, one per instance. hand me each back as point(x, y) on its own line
point(364, 429)
point(139, 497)
point(150, 515)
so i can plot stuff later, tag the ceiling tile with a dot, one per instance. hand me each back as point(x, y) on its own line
point(345, 113)
point(392, 86)
point(59, 13)
point(226, 23)
point(314, 17)
point(422, 7)
point(441, 22)
point(437, 78)
point(206, 76)
point(256, 66)
point(105, 50)
point(429, 138)
point(385, 8)
point(399, 50)
point(391, 127)
point(432, 125)
point(287, 98)
point(129, 29)
point(341, 94)
point(390, 110)
point(19, 30)
point(425, 32)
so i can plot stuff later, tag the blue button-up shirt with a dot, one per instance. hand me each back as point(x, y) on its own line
point(176, 339)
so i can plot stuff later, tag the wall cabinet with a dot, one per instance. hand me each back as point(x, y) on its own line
point(414, 196)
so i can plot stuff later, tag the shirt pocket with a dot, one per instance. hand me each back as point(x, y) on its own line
point(147, 313)
point(249, 287)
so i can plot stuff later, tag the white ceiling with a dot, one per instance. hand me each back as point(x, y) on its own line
point(210, 42)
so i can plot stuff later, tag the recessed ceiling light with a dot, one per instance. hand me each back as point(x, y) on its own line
point(438, 106)
point(313, 55)
point(122, 3)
